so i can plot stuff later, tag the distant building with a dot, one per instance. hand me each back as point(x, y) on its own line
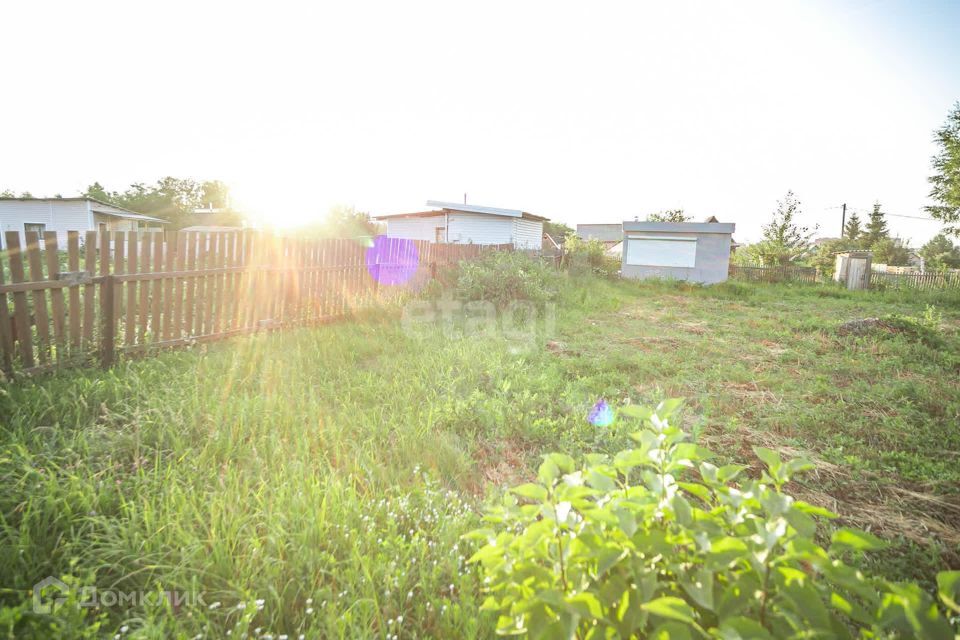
point(695, 251)
point(468, 224)
point(609, 234)
point(68, 214)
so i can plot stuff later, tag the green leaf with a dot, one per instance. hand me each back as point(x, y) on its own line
point(813, 510)
point(948, 588)
point(601, 481)
point(633, 411)
point(531, 491)
point(668, 407)
point(586, 604)
point(728, 472)
point(697, 490)
point(564, 462)
point(856, 540)
point(804, 524)
point(700, 588)
point(671, 631)
point(630, 458)
point(548, 472)
point(770, 457)
point(671, 608)
point(740, 628)
point(681, 510)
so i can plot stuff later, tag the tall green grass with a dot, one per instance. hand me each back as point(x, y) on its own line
point(317, 481)
point(325, 474)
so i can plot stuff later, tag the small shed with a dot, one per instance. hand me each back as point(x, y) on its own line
point(694, 251)
point(853, 269)
point(454, 223)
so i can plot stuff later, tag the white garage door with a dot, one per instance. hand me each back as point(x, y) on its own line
point(659, 251)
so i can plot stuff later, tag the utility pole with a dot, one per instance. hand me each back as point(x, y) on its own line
point(843, 220)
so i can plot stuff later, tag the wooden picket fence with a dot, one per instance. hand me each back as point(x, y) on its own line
point(138, 291)
point(774, 274)
point(923, 281)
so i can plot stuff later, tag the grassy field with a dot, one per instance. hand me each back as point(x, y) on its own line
point(318, 481)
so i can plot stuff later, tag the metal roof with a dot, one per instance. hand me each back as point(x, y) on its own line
point(466, 208)
point(127, 216)
point(680, 227)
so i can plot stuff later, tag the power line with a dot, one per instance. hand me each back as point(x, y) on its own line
point(895, 215)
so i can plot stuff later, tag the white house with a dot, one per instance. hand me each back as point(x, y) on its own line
point(67, 214)
point(468, 224)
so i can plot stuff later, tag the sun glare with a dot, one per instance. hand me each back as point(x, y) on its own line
point(269, 204)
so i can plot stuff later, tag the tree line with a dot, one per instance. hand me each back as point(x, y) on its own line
point(786, 241)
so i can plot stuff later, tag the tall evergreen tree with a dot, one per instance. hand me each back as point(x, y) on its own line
point(876, 227)
point(852, 230)
point(946, 179)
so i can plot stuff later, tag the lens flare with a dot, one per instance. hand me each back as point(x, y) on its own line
point(601, 415)
point(392, 261)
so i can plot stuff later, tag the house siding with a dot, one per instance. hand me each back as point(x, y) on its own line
point(469, 228)
point(415, 228)
point(479, 228)
point(527, 234)
point(59, 216)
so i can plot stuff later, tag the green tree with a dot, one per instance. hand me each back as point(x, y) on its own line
point(876, 227)
point(670, 215)
point(940, 253)
point(97, 192)
point(825, 259)
point(852, 230)
point(173, 199)
point(784, 239)
point(891, 251)
point(946, 177)
point(558, 231)
point(343, 221)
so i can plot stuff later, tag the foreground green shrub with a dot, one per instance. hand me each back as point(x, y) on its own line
point(501, 277)
point(658, 542)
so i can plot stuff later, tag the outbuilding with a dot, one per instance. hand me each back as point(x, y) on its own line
point(694, 251)
point(69, 214)
point(453, 223)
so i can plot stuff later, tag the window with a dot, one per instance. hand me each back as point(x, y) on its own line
point(34, 226)
point(662, 251)
point(439, 234)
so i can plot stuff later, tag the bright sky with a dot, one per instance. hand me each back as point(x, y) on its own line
point(579, 111)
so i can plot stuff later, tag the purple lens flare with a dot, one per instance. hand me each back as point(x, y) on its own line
point(392, 261)
point(601, 415)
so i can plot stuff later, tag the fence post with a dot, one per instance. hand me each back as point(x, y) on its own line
point(107, 321)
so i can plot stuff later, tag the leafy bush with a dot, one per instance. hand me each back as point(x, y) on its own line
point(589, 256)
point(659, 542)
point(503, 276)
